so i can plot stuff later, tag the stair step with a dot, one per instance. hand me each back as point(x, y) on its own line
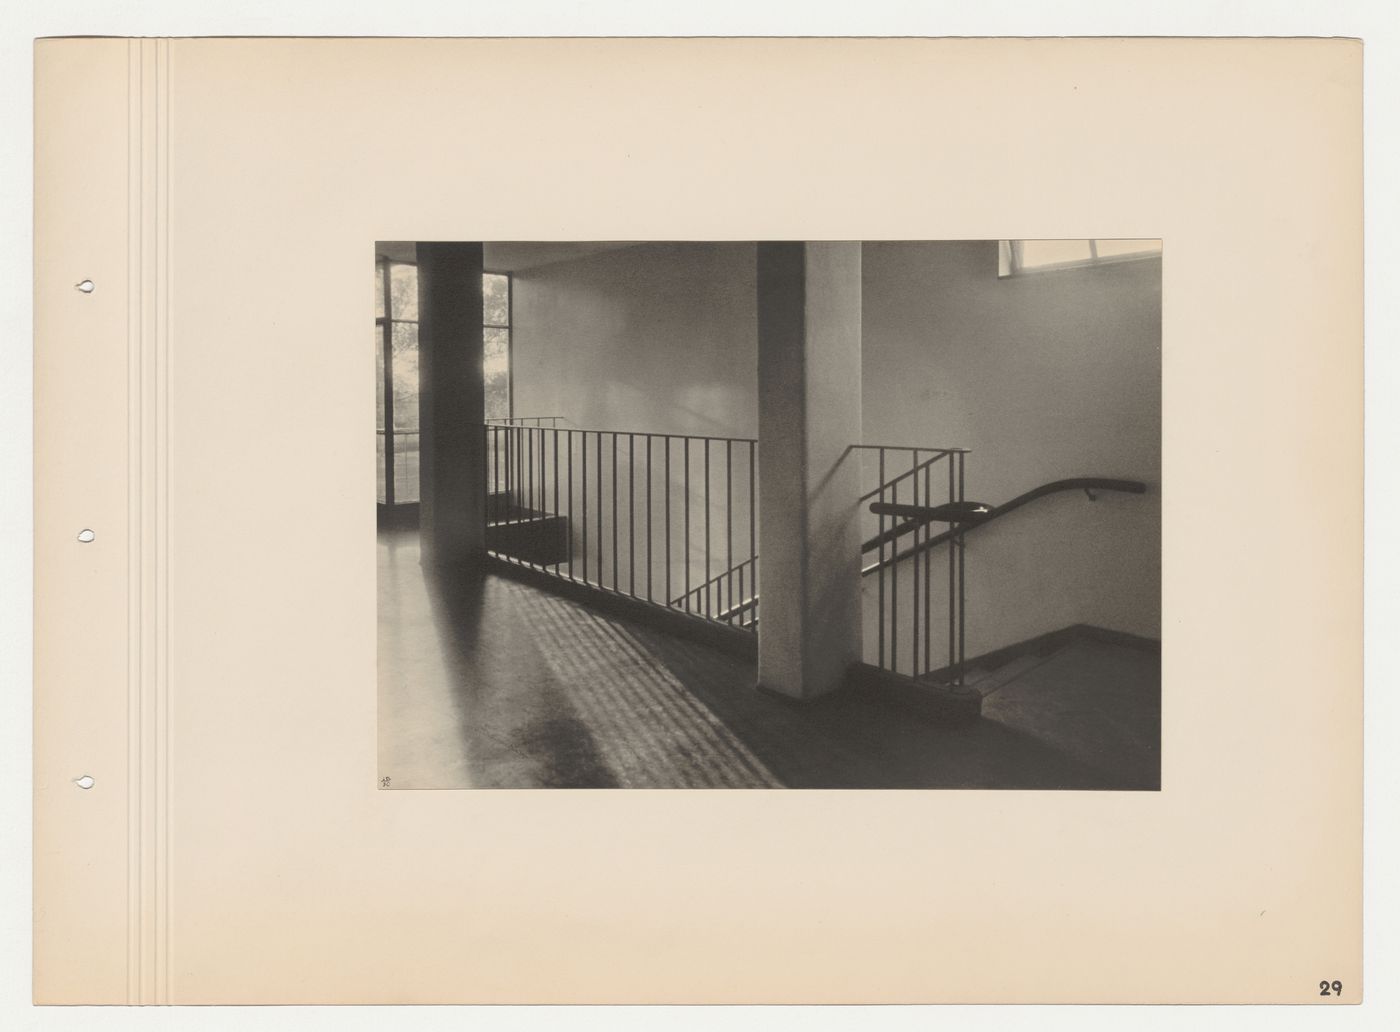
point(987, 681)
point(539, 538)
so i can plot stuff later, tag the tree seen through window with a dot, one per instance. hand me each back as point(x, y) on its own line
point(396, 368)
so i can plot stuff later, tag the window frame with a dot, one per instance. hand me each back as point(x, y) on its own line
point(1009, 258)
point(385, 324)
point(509, 327)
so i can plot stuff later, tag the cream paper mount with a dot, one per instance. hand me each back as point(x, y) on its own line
point(208, 659)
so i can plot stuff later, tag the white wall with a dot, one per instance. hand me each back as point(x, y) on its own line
point(1045, 376)
point(662, 338)
point(659, 337)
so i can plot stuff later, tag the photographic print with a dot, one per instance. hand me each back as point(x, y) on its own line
point(955, 442)
point(878, 514)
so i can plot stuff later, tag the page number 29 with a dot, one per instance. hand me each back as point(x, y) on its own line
point(1330, 988)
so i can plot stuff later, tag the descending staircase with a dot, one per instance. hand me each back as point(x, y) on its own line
point(986, 675)
point(529, 535)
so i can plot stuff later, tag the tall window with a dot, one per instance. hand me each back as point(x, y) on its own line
point(1018, 256)
point(396, 366)
point(495, 291)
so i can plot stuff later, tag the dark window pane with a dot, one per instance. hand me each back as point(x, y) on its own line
point(403, 291)
point(495, 291)
point(405, 341)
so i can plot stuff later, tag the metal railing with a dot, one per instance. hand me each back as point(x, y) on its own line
point(905, 539)
point(917, 486)
point(651, 516)
point(551, 421)
point(1086, 484)
point(732, 593)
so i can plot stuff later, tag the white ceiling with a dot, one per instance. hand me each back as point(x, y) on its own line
point(512, 256)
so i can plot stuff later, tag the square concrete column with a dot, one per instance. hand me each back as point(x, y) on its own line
point(809, 415)
point(451, 406)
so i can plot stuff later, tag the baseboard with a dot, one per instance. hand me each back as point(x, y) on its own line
point(1049, 642)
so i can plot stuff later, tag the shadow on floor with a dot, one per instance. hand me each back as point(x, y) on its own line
point(491, 683)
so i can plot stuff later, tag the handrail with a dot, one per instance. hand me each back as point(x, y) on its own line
point(521, 421)
point(939, 455)
point(716, 579)
point(739, 608)
point(655, 434)
point(913, 448)
point(1086, 484)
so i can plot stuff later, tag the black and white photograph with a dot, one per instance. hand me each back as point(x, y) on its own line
point(769, 514)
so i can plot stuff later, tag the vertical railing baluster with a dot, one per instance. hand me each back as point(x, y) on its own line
point(952, 573)
point(649, 518)
point(880, 609)
point(914, 583)
point(962, 579)
point(729, 529)
point(599, 456)
point(554, 467)
point(545, 467)
point(928, 569)
point(685, 443)
point(708, 610)
point(583, 497)
point(894, 584)
point(631, 515)
point(753, 531)
point(527, 475)
point(544, 482)
point(569, 439)
point(614, 510)
point(529, 470)
point(667, 441)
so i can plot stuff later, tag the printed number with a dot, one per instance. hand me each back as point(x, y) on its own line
point(1330, 988)
point(384, 783)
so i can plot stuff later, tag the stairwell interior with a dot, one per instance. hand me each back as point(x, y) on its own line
point(1007, 568)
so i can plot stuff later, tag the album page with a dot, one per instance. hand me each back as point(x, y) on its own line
point(854, 521)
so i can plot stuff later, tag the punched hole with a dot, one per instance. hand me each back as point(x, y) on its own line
point(83, 782)
point(86, 536)
point(87, 286)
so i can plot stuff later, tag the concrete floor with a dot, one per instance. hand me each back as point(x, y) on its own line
point(496, 684)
